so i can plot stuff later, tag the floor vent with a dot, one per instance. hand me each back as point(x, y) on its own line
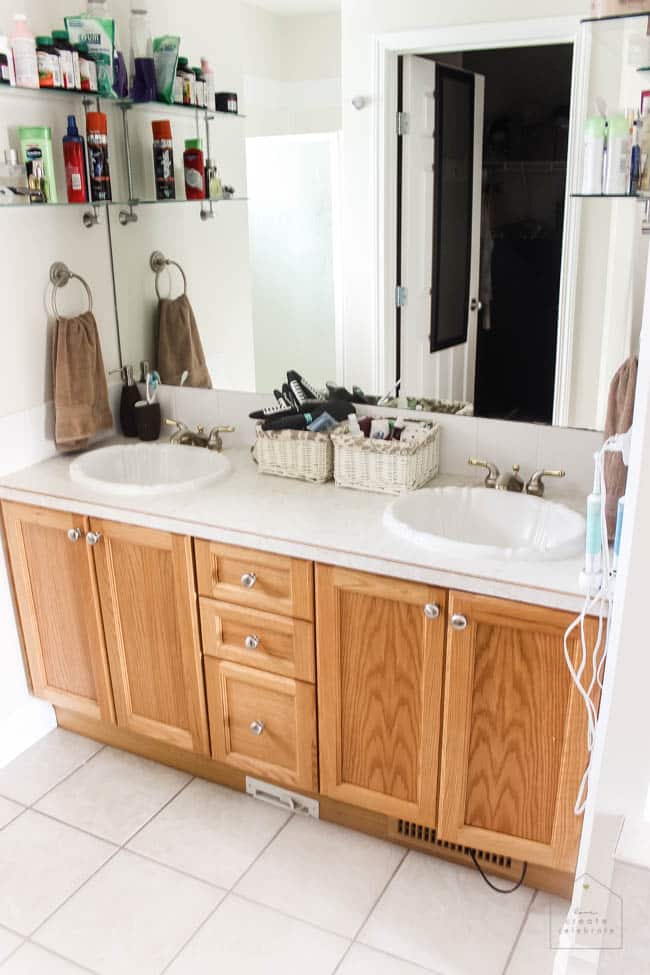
point(428, 836)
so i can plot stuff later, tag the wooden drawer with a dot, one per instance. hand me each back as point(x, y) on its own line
point(243, 701)
point(266, 641)
point(259, 580)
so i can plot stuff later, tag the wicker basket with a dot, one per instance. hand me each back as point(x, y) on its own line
point(299, 454)
point(387, 466)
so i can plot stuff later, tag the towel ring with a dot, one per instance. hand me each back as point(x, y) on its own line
point(159, 263)
point(60, 275)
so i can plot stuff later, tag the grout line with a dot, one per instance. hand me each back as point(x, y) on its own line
point(178, 870)
point(158, 811)
point(30, 805)
point(57, 954)
point(23, 941)
point(374, 905)
point(248, 869)
point(229, 891)
point(511, 954)
point(77, 829)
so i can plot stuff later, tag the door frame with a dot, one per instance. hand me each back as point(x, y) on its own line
point(383, 167)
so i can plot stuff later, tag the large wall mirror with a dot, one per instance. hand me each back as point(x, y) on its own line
point(517, 299)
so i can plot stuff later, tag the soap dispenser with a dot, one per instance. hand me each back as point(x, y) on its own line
point(130, 396)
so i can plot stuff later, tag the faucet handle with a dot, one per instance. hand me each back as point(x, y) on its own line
point(170, 422)
point(492, 475)
point(536, 485)
point(214, 437)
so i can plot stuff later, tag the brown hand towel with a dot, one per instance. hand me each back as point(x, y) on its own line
point(80, 389)
point(620, 414)
point(179, 344)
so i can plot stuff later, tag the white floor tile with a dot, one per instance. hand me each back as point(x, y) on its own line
point(211, 832)
point(366, 961)
point(323, 874)
point(444, 917)
point(32, 960)
point(8, 943)
point(533, 954)
point(113, 795)
point(43, 765)
point(8, 811)
point(130, 919)
point(247, 939)
point(41, 863)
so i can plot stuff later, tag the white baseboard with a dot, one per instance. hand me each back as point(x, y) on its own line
point(24, 727)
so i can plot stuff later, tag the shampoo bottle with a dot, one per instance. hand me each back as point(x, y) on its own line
point(74, 156)
point(23, 46)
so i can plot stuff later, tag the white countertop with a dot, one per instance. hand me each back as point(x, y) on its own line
point(319, 522)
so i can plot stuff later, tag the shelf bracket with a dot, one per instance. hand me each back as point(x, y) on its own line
point(91, 218)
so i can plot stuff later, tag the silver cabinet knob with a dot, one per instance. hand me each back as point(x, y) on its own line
point(248, 580)
point(252, 642)
point(74, 534)
point(432, 611)
point(459, 622)
point(257, 727)
point(93, 537)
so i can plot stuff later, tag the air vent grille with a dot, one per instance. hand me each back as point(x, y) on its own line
point(429, 837)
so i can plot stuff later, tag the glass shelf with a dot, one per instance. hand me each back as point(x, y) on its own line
point(609, 17)
point(123, 103)
point(610, 196)
point(117, 203)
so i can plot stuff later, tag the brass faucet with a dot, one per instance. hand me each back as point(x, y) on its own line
point(500, 482)
point(198, 437)
point(535, 485)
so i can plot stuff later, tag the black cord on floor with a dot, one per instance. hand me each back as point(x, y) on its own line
point(498, 890)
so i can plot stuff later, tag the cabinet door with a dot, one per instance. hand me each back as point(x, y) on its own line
point(58, 606)
point(263, 723)
point(514, 732)
point(380, 648)
point(148, 598)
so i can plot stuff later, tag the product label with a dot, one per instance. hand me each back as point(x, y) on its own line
point(67, 69)
point(75, 180)
point(49, 73)
point(193, 178)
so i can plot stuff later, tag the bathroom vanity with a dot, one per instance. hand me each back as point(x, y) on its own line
point(420, 699)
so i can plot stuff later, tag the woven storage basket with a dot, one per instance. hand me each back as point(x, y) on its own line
point(387, 466)
point(299, 454)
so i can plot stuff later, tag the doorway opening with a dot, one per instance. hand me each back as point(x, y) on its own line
point(480, 226)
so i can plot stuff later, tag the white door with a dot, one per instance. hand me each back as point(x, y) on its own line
point(442, 163)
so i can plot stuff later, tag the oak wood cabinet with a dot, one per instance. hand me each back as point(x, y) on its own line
point(148, 600)
point(514, 732)
point(58, 606)
point(380, 649)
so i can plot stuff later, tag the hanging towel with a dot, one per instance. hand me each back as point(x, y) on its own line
point(80, 390)
point(620, 413)
point(179, 344)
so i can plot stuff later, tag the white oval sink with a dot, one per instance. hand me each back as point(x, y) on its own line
point(480, 523)
point(148, 468)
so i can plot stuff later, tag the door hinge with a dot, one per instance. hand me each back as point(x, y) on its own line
point(403, 123)
point(401, 296)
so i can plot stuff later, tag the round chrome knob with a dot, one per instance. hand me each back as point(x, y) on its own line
point(432, 611)
point(459, 622)
point(74, 534)
point(257, 727)
point(248, 580)
point(93, 537)
point(252, 642)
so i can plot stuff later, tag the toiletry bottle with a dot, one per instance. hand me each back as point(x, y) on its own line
point(142, 73)
point(353, 426)
point(130, 396)
point(23, 47)
point(194, 170)
point(163, 160)
point(213, 181)
point(7, 75)
point(87, 69)
point(74, 157)
point(49, 64)
point(594, 155)
point(13, 179)
point(644, 143)
point(208, 77)
point(67, 57)
point(188, 81)
point(618, 156)
point(97, 138)
point(635, 160)
point(36, 147)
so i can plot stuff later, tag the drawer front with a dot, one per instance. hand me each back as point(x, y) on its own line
point(262, 724)
point(265, 641)
point(259, 580)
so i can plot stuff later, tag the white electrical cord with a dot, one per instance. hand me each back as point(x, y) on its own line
point(601, 600)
